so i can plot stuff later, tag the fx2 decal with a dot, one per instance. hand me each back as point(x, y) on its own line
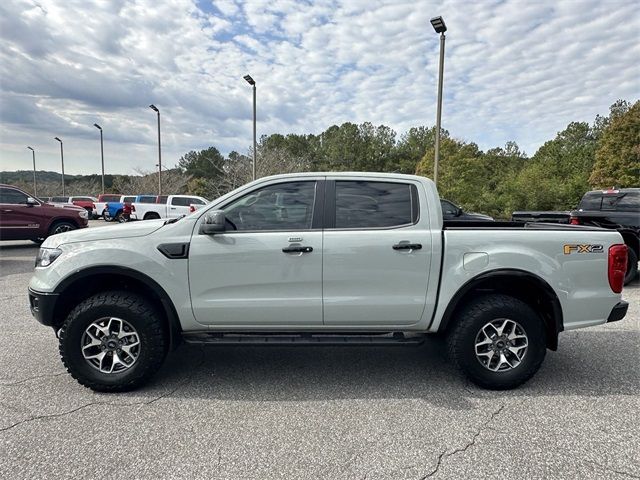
point(577, 248)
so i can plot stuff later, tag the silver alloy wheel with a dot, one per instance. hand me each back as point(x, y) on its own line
point(110, 345)
point(501, 345)
point(65, 227)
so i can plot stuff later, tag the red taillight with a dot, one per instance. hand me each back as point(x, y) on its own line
point(192, 209)
point(617, 266)
point(574, 221)
point(133, 208)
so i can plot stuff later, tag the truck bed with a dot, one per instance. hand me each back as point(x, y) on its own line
point(502, 225)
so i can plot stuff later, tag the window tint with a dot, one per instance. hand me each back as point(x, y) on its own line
point(14, 197)
point(180, 201)
point(283, 206)
point(197, 201)
point(373, 204)
point(81, 199)
point(162, 199)
point(110, 198)
point(147, 199)
point(128, 199)
point(60, 199)
point(591, 201)
point(628, 201)
point(448, 208)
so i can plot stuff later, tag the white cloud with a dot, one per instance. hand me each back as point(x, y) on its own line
point(514, 70)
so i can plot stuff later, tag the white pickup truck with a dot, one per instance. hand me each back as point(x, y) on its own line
point(324, 259)
point(172, 206)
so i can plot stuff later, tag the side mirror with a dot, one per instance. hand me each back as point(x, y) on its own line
point(31, 202)
point(213, 222)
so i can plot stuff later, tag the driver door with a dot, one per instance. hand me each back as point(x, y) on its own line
point(265, 269)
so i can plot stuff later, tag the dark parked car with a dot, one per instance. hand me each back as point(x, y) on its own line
point(450, 211)
point(617, 209)
point(23, 217)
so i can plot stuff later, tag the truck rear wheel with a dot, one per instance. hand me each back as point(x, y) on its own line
point(113, 342)
point(497, 341)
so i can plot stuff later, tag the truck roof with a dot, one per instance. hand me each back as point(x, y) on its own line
point(348, 174)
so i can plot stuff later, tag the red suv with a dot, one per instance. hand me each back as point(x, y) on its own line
point(23, 217)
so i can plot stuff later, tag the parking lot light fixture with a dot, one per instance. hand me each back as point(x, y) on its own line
point(101, 153)
point(33, 154)
point(440, 27)
point(252, 82)
point(62, 160)
point(155, 109)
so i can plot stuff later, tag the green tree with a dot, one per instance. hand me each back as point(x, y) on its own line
point(206, 164)
point(618, 150)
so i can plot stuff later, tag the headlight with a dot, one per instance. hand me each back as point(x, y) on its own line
point(83, 213)
point(46, 256)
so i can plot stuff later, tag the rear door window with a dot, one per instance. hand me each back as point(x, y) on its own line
point(374, 204)
point(128, 199)
point(180, 201)
point(625, 201)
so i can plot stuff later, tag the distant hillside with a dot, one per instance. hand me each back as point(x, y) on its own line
point(43, 176)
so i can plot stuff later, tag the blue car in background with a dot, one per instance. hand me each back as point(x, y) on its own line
point(119, 211)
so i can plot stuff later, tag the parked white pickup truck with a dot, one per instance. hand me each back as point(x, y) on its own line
point(335, 258)
point(173, 206)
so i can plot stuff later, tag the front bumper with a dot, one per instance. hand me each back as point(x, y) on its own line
point(618, 312)
point(42, 306)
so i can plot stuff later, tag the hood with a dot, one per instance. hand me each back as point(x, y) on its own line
point(123, 230)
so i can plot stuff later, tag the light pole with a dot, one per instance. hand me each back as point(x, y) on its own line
point(101, 153)
point(440, 27)
point(155, 109)
point(252, 82)
point(62, 159)
point(33, 153)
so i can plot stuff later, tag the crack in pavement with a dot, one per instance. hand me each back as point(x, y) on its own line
point(133, 404)
point(611, 470)
point(469, 444)
point(19, 382)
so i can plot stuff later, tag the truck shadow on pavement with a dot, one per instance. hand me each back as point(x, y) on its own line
point(588, 363)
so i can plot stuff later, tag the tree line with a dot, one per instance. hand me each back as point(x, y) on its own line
point(497, 181)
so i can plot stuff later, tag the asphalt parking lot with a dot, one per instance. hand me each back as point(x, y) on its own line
point(316, 412)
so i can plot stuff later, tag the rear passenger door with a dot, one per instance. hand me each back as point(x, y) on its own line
point(376, 255)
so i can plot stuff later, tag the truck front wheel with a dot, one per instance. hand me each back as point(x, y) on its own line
point(497, 341)
point(113, 342)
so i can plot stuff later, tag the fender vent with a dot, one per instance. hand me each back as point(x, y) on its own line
point(174, 250)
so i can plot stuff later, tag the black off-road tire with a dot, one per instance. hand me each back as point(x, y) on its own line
point(632, 266)
point(140, 314)
point(461, 340)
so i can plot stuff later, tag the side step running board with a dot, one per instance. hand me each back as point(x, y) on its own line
point(330, 339)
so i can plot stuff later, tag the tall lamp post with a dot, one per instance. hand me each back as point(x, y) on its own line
point(101, 153)
point(155, 109)
point(252, 82)
point(33, 154)
point(440, 27)
point(62, 159)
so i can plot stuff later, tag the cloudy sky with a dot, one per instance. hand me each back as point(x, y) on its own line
point(515, 70)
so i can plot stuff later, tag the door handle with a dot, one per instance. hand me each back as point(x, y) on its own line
point(297, 249)
point(407, 246)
